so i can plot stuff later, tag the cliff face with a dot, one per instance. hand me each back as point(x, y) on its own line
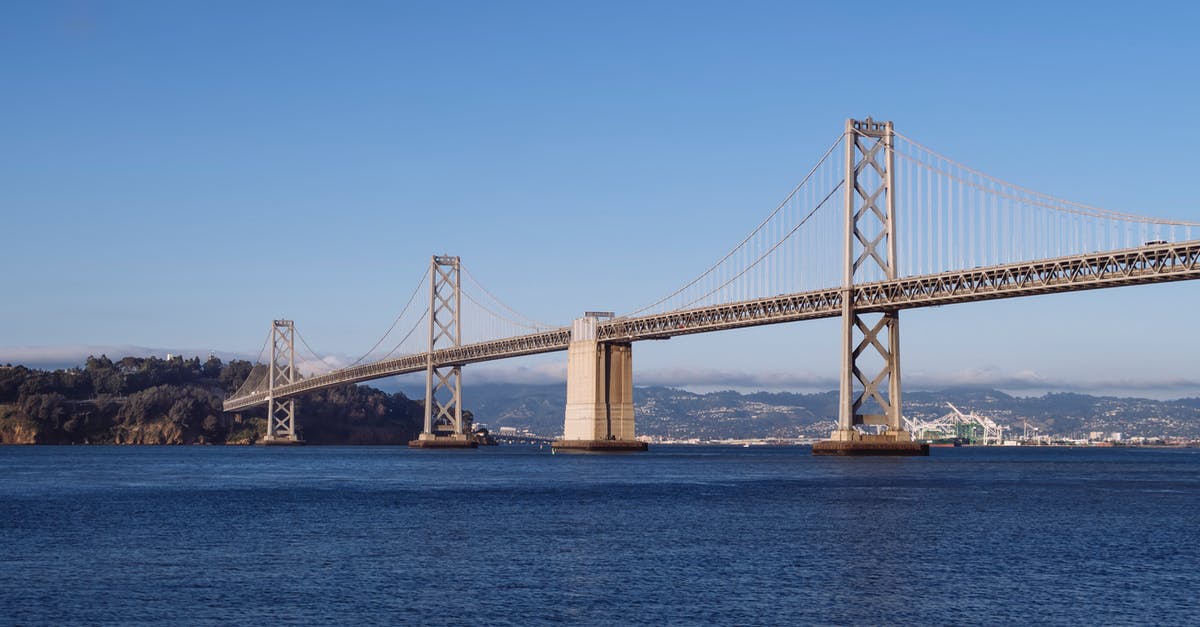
point(159, 432)
point(17, 428)
point(18, 431)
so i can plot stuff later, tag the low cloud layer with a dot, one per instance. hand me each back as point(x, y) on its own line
point(54, 357)
point(515, 373)
point(1020, 381)
point(709, 378)
point(1029, 380)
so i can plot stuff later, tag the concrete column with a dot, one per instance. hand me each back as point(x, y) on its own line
point(599, 412)
point(585, 396)
point(620, 390)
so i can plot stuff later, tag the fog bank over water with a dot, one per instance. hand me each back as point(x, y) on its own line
point(545, 369)
point(75, 355)
point(1025, 383)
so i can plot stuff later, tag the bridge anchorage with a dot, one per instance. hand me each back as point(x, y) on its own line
point(444, 420)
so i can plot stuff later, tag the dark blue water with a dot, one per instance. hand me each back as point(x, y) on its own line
point(512, 535)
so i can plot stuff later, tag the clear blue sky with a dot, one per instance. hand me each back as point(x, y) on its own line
point(173, 175)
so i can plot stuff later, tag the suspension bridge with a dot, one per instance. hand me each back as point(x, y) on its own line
point(880, 224)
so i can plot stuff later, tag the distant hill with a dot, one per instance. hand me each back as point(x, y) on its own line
point(681, 414)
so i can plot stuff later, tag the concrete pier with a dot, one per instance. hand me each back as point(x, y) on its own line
point(599, 412)
point(851, 442)
point(453, 440)
point(270, 441)
point(599, 446)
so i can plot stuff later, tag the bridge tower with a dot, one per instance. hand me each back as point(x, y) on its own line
point(444, 426)
point(281, 415)
point(599, 413)
point(870, 377)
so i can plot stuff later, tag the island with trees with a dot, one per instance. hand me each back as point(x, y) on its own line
point(148, 400)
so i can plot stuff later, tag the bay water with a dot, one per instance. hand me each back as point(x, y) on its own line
point(513, 535)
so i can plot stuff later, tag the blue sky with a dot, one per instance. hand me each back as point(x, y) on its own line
point(174, 175)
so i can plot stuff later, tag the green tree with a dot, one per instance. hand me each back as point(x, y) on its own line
point(11, 378)
point(212, 367)
point(48, 411)
point(38, 383)
point(235, 374)
point(101, 363)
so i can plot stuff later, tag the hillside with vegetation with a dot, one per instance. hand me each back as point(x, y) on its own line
point(178, 401)
point(680, 414)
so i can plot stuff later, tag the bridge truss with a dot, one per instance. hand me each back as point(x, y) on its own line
point(1156, 264)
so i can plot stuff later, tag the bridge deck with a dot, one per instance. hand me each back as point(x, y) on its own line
point(1150, 264)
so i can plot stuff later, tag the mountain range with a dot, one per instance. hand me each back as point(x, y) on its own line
point(681, 414)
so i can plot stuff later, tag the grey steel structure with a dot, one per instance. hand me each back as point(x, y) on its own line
point(445, 303)
point(870, 243)
point(281, 412)
point(1160, 263)
point(870, 296)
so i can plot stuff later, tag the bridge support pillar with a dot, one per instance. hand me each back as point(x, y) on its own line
point(599, 412)
point(444, 427)
point(870, 376)
point(281, 414)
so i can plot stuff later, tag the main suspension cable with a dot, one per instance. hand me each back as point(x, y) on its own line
point(396, 321)
point(768, 252)
point(310, 350)
point(742, 243)
point(414, 328)
point(533, 324)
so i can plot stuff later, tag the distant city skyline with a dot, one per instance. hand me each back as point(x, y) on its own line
point(174, 176)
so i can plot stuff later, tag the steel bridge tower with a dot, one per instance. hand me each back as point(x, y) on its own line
point(870, 377)
point(443, 420)
point(281, 415)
